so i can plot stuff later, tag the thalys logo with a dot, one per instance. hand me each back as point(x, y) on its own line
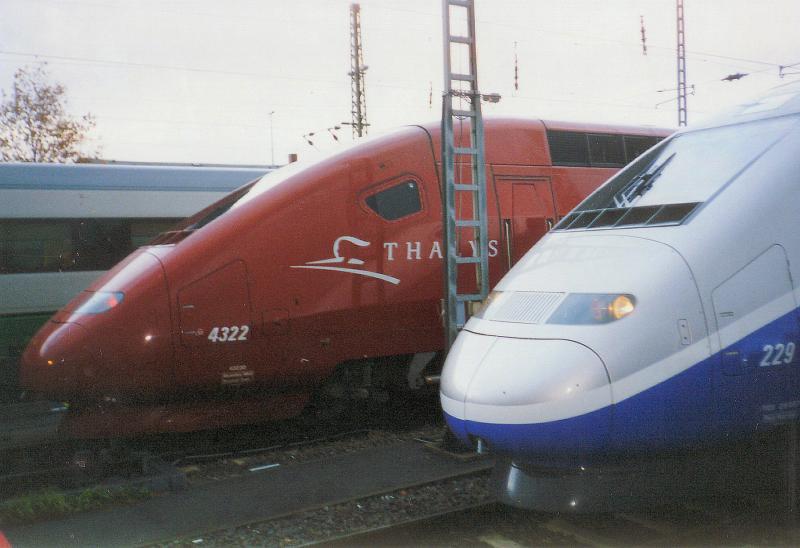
point(392, 250)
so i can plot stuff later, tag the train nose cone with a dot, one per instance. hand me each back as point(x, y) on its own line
point(58, 360)
point(112, 340)
point(526, 395)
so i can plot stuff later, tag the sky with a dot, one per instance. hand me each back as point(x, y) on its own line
point(196, 80)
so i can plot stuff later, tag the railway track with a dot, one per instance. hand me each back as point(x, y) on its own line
point(459, 481)
point(449, 510)
point(460, 511)
point(25, 424)
point(308, 479)
point(699, 522)
point(55, 464)
point(317, 503)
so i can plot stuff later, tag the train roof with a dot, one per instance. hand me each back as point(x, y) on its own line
point(124, 177)
point(782, 100)
point(560, 125)
point(607, 128)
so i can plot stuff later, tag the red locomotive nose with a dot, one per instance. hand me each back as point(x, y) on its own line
point(113, 339)
point(58, 360)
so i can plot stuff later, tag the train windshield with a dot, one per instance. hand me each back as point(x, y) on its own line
point(201, 218)
point(229, 202)
point(666, 184)
point(251, 191)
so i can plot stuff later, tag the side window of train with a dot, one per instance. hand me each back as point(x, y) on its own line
point(568, 148)
point(396, 201)
point(606, 150)
point(55, 245)
point(33, 246)
point(635, 145)
point(576, 149)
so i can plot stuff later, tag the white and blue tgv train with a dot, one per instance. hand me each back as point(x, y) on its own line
point(660, 317)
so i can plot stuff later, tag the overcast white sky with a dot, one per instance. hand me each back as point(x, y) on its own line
point(195, 80)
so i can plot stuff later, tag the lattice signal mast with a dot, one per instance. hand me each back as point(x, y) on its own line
point(681, 67)
point(357, 70)
point(465, 210)
point(644, 35)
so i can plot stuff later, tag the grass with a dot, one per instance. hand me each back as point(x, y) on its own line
point(53, 504)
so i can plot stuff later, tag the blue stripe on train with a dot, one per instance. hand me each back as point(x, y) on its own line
point(728, 394)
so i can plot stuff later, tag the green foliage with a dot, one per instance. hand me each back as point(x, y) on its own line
point(52, 504)
point(34, 125)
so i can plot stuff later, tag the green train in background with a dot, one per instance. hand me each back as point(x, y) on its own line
point(62, 225)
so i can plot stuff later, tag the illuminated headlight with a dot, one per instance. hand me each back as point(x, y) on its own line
point(100, 301)
point(593, 308)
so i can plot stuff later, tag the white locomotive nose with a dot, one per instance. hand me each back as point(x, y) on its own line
point(525, 382)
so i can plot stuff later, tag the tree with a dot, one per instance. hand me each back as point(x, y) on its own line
point(34, 125)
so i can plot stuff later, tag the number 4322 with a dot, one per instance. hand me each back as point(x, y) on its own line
point(229, 334)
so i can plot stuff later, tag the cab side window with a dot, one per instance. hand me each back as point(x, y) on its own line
point(397, 201)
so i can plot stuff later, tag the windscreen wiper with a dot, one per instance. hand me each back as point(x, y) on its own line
point(641, 183)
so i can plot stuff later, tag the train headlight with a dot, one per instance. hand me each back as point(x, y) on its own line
point(593, 308)
point(100, 301)
point(621, 306)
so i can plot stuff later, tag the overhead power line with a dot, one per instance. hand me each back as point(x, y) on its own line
point(782, 70)
point(132, 64)
point(528, 29)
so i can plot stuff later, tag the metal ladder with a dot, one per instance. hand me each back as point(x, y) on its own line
point(468, 157)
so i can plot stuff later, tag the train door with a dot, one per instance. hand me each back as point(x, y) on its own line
point(756, 378)
point(527, 207)
point(219, 343)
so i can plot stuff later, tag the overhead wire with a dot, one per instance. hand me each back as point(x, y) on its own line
point(335, 83)
point(191, 69)
point(528, 29)
point(133, 64)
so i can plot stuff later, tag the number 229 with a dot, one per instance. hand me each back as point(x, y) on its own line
point(777, 354)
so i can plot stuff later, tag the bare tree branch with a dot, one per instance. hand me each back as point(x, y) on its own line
point(34, 125)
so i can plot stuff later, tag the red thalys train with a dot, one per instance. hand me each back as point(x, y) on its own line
point(323, 279)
